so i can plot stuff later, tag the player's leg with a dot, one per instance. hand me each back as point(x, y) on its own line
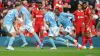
point(41, 30)
point(21, 30)
point(71, 39)
point(23, 39)
point(90, 38)
point(10, 29)
point(36, 28)
point(87, 35)
point(89, 31)
point(40, 33)
point(78, 30)
point(52, 36)
point(69, 33)
point(64, 43)
point(31, 30)
point(83, 37)
point(37, 39)
point(51, 40)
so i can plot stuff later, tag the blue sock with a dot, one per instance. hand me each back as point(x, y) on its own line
point(11, 41)
point(60, 39)
point(7, 40)
point(52, 42)
point(69, 37)
point(70, 44)
point(23, 38)
point(60, 42)
point(37, 38)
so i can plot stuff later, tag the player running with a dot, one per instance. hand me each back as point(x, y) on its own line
point(9, 19)
point(52, 26)
point(67, 24)
point(27, 20)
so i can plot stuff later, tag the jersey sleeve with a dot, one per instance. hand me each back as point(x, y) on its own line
point(22, 11)
point(46, 18)
point(69, 15)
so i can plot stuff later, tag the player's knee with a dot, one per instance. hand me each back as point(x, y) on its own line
point(13, 34)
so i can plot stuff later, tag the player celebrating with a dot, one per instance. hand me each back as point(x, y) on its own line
point(88, 23)
point(28, 24)
point(79, 22)
point(67, 24)
point(9, 26)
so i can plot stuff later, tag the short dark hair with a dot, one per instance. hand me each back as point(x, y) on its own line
point(85, 2)
point(17, 4)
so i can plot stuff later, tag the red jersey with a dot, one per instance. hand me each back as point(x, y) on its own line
point(38, 15)
point(79, 17)
point(88, 13)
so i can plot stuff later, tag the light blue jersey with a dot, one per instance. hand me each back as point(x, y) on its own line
point(24, 10)
point(50, 17)
point(10, 17)
point(63, 18)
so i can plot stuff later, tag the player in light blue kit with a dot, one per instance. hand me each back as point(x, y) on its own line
point(52, 25)
point(65, 21)
point(28, 24)
point(9, 25)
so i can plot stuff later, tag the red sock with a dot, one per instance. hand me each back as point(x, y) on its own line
point(86, 40)
point(90, 40)
point(41, 37)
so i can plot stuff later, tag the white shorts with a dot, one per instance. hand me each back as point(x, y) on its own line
point(69, 29)
point(28, 28)
point(9, 28)
point(53, 31)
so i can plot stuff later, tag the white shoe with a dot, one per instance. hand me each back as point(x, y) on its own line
point(10, 48)
point(53, 48)
point(91, 47)
point(24, 44)
point(84, 47)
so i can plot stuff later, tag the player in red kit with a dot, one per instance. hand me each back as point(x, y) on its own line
point(39, 21)
point(79, 22)
point(88, 25)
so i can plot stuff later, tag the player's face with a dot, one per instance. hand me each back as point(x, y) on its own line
point(85, 6)
point(44, 11)
point(79, 7)
point(40, 6)
point(19, 7)
point(57, 12)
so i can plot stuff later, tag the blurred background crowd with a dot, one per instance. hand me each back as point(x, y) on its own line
point(63, 5)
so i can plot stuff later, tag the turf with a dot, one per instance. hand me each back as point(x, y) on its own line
point(61, 51)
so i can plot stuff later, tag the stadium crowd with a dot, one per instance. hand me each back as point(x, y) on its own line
point(83, 15)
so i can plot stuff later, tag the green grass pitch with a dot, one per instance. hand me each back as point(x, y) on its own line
point(61, 51)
